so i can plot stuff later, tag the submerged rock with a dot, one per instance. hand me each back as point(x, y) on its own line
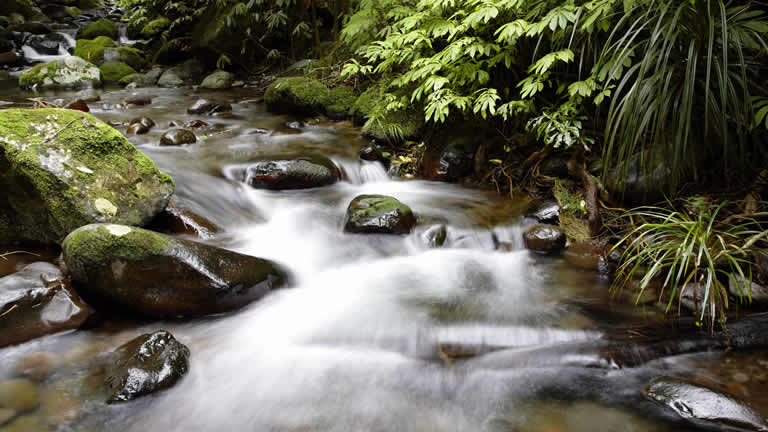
point(157, 275)
point(140, 126)
point(545, 239)
point(302, 172)
point(67, 73)
point(203, 106)
point(62, 169)
point(147, 364)
point(435, 236)
point(177, 137)
point(703, 405)
point(38, 301)
point(378, 214)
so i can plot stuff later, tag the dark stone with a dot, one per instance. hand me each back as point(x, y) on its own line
point(36, 28)
point(78, 105)
point(47, 44)
point(203, 106)
point(378, 214)
point(703, 406)
point(183, 221)
point(555, 165)
point(302, 172)
point(453, 162)
point(435, 236)
point(548, 213)
point(9, 58)
point(373, 153)
point(161, 276)
point(140, 126)
point(38, 301)
point(139, 100)
point(545, 239)
point(177, 137)
point(196, 124)
point(147, 364)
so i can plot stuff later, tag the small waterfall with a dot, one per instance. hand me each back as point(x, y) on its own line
point(359, 172)
point(35, 57)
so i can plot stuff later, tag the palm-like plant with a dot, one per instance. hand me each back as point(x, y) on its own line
point(685, 74)
point(688, 250)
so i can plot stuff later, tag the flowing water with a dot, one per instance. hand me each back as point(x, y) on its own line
point(355, 343)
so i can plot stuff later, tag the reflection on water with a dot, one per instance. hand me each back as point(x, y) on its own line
point(379, 332)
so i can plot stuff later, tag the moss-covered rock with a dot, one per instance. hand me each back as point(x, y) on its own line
point(37, 28)
point(93, 49)
point(340, 102)
point(67, 73)
point(394, 126)
point(139, 79)
point(133, 57)
point(115, 71)
point(73, 11)
point(155, 27)
point(62, 169)
point(102, 27)
point(90, 4)
point(173, 51)
point(157, 275)
point(219, 80)
point(23, 7)
point(378, 214)
point(297, 95)
point(364, 105)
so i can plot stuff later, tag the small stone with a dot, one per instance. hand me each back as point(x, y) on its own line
point(177, 137)
point(139, 100)
point(435, 236)
point(545, 239)
point(203, 106)
point(196, 124)
point(140, 126)
point(105, 207)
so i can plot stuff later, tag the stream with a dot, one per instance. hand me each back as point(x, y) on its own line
point(354, 344)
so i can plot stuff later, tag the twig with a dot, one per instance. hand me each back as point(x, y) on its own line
point(47, 140)
point(3, 256)
point(8, 311)
point(181, 216)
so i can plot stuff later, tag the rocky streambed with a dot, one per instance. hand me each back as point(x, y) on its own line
point(285, 281)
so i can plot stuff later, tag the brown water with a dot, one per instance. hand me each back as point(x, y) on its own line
point(355, 344)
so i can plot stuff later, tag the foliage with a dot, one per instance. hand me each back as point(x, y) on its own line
point(691, 248)
point(662, 64)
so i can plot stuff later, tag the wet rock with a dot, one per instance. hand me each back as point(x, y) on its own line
point(758, 293)
point(92, 50)
point(78, 105)
point(67, 73)
point(545, 239)
point(189, 71)
point(378, 214)
point(196, 124)
point(185, 222)
point(453, 162)
point(102, 27)
point(297, 95)
point(140, 126)
point(203, 106)
point(151, 77)
point(584, 255)
point(88, 95)
point(177, 137)
point(548, 213)
point(38, 301)
point(36, 28)
point(157, 275)
point(48, 44)
point(373, 153)
point(219, 80)
point(62, 169)
point(131, 56)
point(136, 80)
point(435, 236)
point(9, 58)
point(702, 405)
point(139, 100)
point(36, 366)
point(147, 364)
point(19, 394)
point(302, 172)
point(114, 71)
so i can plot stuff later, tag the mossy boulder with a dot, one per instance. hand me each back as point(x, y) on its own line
point(138, 79)
point(102, 27)
point(173, 51)
point(90, 4)
point(114, 71)
point(378, 214)
point(62, 169)
point(394, 126)
point(73, 11)
point(340, 103)
point(92, 50)
point(157, 275)
point(133, 57)
point(145, 365)
point(297, 95)
point(364, 105)
point(67, 73)
point(219, 80)
point(37, 28)
point(23, 7)
point(155, 27)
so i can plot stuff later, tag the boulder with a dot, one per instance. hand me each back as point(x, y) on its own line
point(48, 44)
point(135, 80)
point(38, 301)
point(67, 73)
point(203, 106)
point(178, 137)
point(297, 95)
point(339, 103)
point(757, 294)
point(378, 214)
point(703, 406)
point(93, 50)
point(302, 172)
point(364, 105)
point(435, 236)
point(219, 80)
point(451, 163)
point(187, 72)
point(102, 27)
point(547, 213)
point(151, 77)
point(36, 28)
point(155, 27)
point(145, 365)
point(545, 239)
point(140, 126)
point(161, 276)
point(131, 56)
point(88, 95)
point(62, 169)
point(394, 126)
point(115, 71)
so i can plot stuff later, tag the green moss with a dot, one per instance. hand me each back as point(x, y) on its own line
point(297, 95)
point(98, 244)
point(30, 27)
point(36, 75)
point(138, 78)
point(394, 126)
point(23, 7)
point(132, 56)
point(73, 11)
point(102, 27)
point(363, 107)
point(340, 102)
point(155, 27)
point(372, 206)
point(114, 71)
point(93, 50)
point(5, 75)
